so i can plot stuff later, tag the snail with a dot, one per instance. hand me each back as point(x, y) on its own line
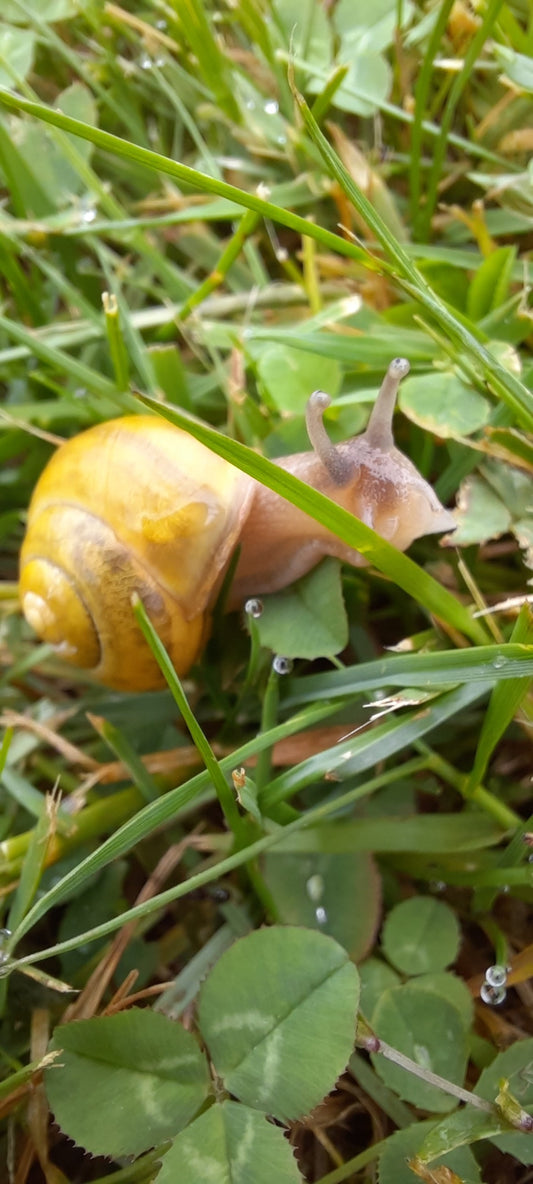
point(137, 505)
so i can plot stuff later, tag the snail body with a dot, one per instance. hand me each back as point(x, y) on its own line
point(137, 505)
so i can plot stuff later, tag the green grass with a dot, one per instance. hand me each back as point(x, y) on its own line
point(206, 212)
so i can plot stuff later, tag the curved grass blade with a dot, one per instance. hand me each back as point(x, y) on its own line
point(413, 579)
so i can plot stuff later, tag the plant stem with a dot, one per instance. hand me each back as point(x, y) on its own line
point(373, 1044)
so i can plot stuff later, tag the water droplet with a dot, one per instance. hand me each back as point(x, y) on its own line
point(493, 996)
point(161, 25)
point(438, 886)
point(145, 62)
point(250, 104)
point(281, 139)
point(496, 976)
point(282, 665)
point(271, 107)
point(315, 888)
point(5, 934)
point(499, 662)
point(321, 916)
point(88, 215)
point(254, 607)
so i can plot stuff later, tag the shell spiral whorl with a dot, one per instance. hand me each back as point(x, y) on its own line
point(132, 505)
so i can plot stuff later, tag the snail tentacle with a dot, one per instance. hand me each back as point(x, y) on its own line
point(338, 466)
point(379, 431)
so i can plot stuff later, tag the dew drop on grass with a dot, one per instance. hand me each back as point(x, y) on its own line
point(254, 607)
point(282, 665)
point(315, 888)
point(496, 976)
point(5, 934)
point(493, 996)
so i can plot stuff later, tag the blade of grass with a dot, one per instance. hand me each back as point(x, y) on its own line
point(327, 94)
point(20, 283)
point(422, 86)
point(439, 834)
point(119, 744)
point(4, 748)
point(246, 227)
point(197, 29)
point(23, 792)
point(34, 862)
point(504, 703)
point(224, 794)
point(117, 348)
point(482, 797)
point(514, 854)
point(487, 663)
point(12, 1083)
point(24, 189)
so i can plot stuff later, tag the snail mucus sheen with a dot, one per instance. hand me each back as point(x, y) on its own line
point(136, 505)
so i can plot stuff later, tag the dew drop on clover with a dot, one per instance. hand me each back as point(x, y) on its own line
point(321, 916)
point(271, 107)
point(282, 665)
